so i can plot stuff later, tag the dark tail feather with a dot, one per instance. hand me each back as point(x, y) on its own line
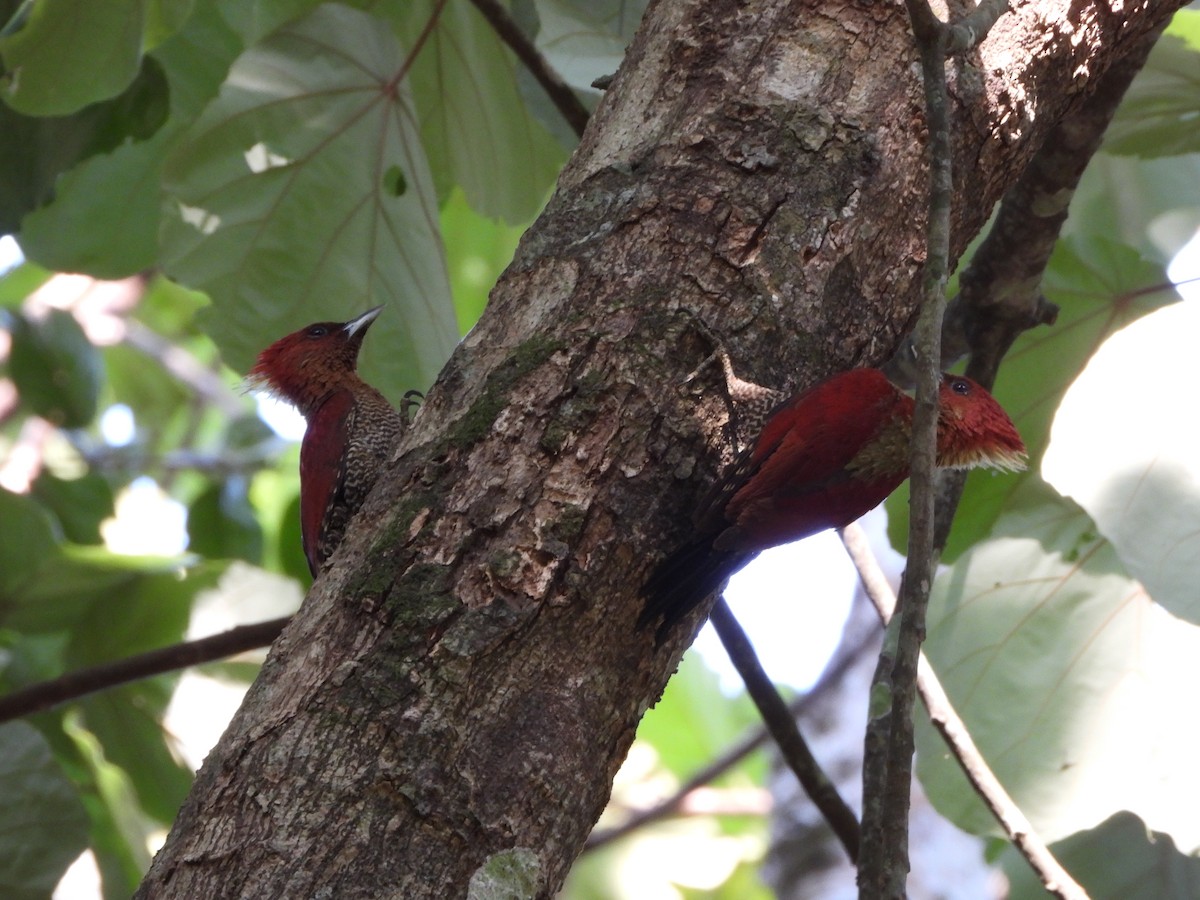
point(683, 580)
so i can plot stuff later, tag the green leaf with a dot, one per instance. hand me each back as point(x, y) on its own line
point(164, 18)
point(119, 827)
point(43, 827)
point(477, 130)
point(19, 282)
point(585, 40)
point(293, 562)
point(1125, 451)
point(71, 53)
point(148, 613)
point(222, 524)
point(58, 590)
point(27, 542)
point(686, 727)
point(1150, 205)
point(255, 19)
point(79, 504)
point(127, 723)
point(35, 151)
point(1068, 677)
point(1117, 860)
point(105, 215)
point(477, 250)
point(55, 368)
point(1160, 112)
point(280, 212)
point(1099, 288)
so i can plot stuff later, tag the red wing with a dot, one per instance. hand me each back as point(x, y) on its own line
point(322, 470)
point(816, 434)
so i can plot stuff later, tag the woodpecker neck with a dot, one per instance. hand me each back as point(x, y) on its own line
point(888, 452)
point(317, 390)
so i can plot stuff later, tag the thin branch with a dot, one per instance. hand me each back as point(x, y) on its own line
point(954, 732)
point(205, 383)
point(735, 753)
point(559, 92)
point(888, 746)
point(1000, 298)
point(222, 464)
point(47, 694)
point(782, 725)
point(966, 33)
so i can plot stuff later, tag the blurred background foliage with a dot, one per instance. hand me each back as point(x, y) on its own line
point(184, 181)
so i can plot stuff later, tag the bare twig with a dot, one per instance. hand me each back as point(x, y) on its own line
point(946, 720)
point(205, 383)
point(966, 33)
point(559, 92)
point(751, 741)
point(1000, 298)
point(888, 746)
point(782, 725)
point(222, 464)
point(48, 694)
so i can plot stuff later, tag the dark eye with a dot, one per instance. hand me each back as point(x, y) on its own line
point(960, 386)
point(317, 331)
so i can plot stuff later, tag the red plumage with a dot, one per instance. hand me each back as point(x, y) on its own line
point(823, 459)
point(352, 428)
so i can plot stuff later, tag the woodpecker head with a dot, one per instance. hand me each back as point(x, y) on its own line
point(974, 430)
point(307, 365)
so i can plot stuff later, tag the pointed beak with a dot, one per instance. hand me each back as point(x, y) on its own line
point(359, 326)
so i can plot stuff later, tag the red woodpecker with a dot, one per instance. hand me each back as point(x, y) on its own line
point(821, 460)
point(352, 428)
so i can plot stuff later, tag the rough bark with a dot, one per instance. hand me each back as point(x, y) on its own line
point(449, 707)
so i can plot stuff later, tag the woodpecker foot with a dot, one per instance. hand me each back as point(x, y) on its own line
point(409, 403)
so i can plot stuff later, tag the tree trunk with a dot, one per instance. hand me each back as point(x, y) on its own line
point(449, 708)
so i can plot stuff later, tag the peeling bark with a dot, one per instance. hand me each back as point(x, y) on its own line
point(449, 707)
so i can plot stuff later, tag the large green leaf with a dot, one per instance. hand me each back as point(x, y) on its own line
point(686, 727)
point(1117, 860)
point(43, 826)
point(1158, 114)
point(253, 20)
point(477, 250)
point(19, 282)
point(148, 613)
point(104, 216)
point(1124, 449)
point(222, 525)
point(287, 205)
point(478, 132)
point(1099, 288)
point(27, 542)
point(1150, 205)
point(35, 151)
point(120, 829)
point(1077, 688)
point(79, 504)
point(104, 219)
point(585, 40)
point(55, 368)
point(62, 56)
